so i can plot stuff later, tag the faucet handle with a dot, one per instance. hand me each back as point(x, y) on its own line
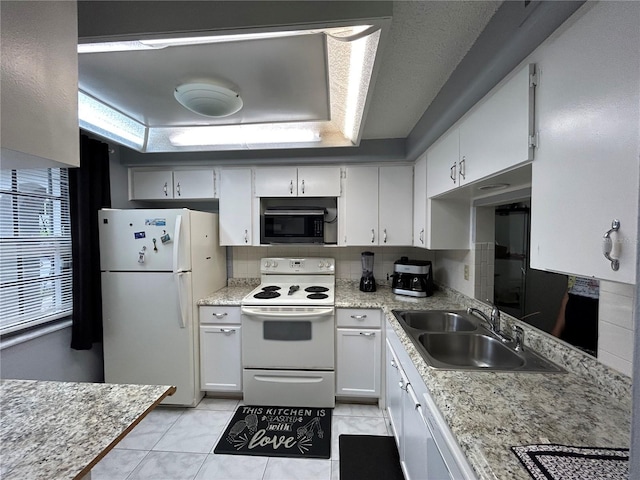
point(518, 333)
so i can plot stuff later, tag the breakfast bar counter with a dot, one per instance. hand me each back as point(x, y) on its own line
point(60, 430)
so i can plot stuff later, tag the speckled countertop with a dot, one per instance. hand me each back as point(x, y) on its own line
point(59, 430)
point(488, 412)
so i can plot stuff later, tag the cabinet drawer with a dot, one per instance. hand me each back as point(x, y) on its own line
point(359, 317)
point(218, 315)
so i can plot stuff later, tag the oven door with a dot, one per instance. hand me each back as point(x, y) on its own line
point(300, 338)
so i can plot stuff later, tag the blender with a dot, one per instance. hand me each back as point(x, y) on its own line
point(367, 282)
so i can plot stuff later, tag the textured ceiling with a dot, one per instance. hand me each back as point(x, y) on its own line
point(424, 44)
point(427, 41)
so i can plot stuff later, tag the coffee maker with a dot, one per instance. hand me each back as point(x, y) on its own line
point(412, 277)
point(367, 282)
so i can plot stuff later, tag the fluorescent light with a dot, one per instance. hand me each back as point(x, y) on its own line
point(96, 117)
point(244, 135)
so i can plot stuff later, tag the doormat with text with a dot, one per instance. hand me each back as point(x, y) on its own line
point(299, 432)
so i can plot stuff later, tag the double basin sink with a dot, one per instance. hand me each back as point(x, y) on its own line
point(457, 340)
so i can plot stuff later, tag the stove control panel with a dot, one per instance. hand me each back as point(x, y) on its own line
point(298, 265)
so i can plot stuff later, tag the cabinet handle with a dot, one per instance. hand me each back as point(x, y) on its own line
point(220, 315)
point(178, 188)
point(303, 186)
point(359, 317)
point(607, 245)
point(165, 189)
point(393, 364)
point(246, 236)
point(373, 235)
point(384, 236)
point(291, 187)
point(463, 167)
point(228, 331)
point(422, 236)
point(403, 386)
point(368, 334)
point(452, 172)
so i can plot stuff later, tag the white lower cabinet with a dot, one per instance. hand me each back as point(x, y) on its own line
point(220, 349)
point(358, 351)
point(427, 448)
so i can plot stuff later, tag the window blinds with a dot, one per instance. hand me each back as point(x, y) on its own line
point(35, 248)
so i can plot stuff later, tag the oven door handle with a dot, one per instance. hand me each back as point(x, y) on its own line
point(319, 312)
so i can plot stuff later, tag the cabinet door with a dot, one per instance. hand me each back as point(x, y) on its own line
point(193, 184)
point(220, 358)
point(276, 182)
point(420, 202)
point(39, 80)
point(358, 369)
point(361, 206)
point(395, 382)
point(442, 164)
point(395, 205)
point(319, 181)
point(235, 206)
point(494, 136)
point(586, 169)
point(151, 184)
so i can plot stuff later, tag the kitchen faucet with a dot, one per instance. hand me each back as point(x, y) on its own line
point(493, 320)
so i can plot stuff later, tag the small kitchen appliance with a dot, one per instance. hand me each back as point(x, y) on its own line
point(288, 334)
point(412, 277)
point(367, 282)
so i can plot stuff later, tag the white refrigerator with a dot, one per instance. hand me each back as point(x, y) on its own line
point(156, 264)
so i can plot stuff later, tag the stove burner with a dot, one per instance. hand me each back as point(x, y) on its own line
point(316, 289)
point(317, 296)
point(270, 288)
point(267, 294)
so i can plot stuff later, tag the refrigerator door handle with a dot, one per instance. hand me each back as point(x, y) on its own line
point(176, 245)
point(183, 315)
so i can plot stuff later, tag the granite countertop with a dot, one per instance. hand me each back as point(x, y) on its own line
point(60, 430)
point(489, 412)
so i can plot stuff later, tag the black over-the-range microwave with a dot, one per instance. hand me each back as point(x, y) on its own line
point(292, 224)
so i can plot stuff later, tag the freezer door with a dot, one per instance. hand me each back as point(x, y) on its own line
point(149, 335)
point(153, 240)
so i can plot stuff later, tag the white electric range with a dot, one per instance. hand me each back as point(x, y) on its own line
point(288, 334)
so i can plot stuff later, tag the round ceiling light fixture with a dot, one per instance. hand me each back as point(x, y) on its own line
point(208, 98)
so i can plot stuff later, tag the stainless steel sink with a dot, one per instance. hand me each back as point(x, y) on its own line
point(470, 350)
point(457, 340)
point(437, 320)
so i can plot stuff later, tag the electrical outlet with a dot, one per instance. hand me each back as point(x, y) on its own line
point(466, 272)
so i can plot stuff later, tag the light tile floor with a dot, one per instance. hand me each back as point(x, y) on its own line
point(178, 443)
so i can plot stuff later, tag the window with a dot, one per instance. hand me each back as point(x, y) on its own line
point(35, 248)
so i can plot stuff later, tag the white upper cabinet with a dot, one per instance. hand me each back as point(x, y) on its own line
point(377, 207)
point(496, 135)
point(297, 182)
point(235, 206)
point(442, 163)
point(153, 184)
point(39, 84)
point(420, 201)
point(395, 205)
point(586, 169)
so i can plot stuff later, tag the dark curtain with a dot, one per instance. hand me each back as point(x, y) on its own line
point(88, 192)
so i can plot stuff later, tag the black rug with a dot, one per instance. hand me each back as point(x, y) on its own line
point(299, 432)
point(369, 456)
point(561, 462)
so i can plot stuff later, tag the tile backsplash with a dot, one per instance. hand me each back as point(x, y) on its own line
point(245, 261)
point(616, 326)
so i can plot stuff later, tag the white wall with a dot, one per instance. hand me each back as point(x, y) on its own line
point(50, 357)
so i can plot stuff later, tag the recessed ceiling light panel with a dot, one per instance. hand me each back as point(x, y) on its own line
point(208, 99)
